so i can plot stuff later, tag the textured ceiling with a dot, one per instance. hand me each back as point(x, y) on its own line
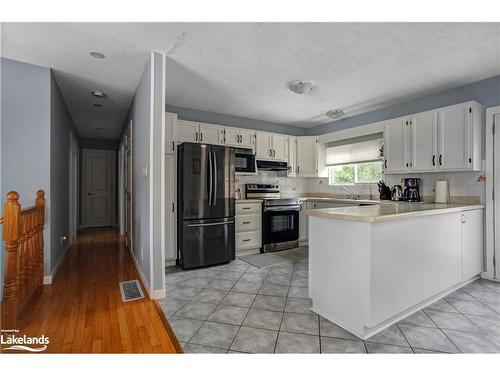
point(243, 69)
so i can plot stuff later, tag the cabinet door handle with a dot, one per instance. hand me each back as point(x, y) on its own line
point(406, 165)
point(245, 208)
point(270, 152)
point(440, 159)
point(385, 164)
point(433, 160)
point(196, 137)
point(246, 240)
point(298, 169)
point(201, 137)
point(274, 153)
point(246, 222)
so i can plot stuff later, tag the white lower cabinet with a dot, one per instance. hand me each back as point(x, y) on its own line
point(170, 210)
point(248, 238)
point(472, 243)
point(303, 227)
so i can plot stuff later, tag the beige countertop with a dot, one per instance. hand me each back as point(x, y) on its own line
point(389, 211)
point(343, 200)
point(248, 201)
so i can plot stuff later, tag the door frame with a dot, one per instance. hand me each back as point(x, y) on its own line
point(74, 187)
point(492, 221)
point(85, 152)
point(127, 219)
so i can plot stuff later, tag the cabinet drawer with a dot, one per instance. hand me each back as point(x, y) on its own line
point(248, 223)
point(248, 240)
point(248, 208)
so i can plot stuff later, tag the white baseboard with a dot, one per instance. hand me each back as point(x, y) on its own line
point(153, 294)
point(158, 294)
point(47, 279)
point(170, 262)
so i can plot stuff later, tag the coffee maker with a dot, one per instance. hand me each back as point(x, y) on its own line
point(412, 193)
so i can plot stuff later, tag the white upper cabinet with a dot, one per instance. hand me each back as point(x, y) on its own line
point(211, 134)
point(240, 138)
point(263, 146)
point(446, 139)
point(280, 147)
point(307, 161)
point(292, 157)
point(187, 131)
point(423, 141)
point(394, 146)
point(170, 132)
point(459, 136)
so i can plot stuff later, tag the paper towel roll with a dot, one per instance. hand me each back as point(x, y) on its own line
point(442, 193)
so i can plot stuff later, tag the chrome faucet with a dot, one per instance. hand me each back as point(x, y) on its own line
point(351, 194)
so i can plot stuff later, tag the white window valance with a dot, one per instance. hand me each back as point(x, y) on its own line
point(354, 150)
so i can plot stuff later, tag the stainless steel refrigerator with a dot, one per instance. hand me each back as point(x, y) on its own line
point(206, 204)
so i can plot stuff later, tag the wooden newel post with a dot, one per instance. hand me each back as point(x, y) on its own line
point(11, 234)
point(40, 201)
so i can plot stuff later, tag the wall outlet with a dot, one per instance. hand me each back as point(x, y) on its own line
point(63, 239)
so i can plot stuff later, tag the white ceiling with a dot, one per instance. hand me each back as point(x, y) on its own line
point(243, 69)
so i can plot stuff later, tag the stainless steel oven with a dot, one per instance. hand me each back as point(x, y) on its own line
point(245, 163)
point(280, 217)
point(280, 224)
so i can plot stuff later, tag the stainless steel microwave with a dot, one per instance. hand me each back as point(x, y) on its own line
point(245, 161)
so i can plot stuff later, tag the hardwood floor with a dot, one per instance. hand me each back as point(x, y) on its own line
point(82, 310)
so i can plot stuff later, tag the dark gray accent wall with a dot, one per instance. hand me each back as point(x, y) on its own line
point(486, 92)
point(25, 139)
point(237, 122)
point(61, 127)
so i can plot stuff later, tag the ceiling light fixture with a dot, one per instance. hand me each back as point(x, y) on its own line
point(300, 87)
point(98, 94)
point(335, 113)
point(97, 55)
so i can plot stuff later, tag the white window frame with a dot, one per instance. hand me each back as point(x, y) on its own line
point(330, 172)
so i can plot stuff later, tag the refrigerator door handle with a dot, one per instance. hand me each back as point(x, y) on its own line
point(211, 224)
point(215, 179)
point(210, 178)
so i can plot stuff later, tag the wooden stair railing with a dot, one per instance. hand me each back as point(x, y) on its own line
point(23, 237)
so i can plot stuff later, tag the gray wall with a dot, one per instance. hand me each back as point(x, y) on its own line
point(486, 92)
point(61, 126)
point(139, 114)
point(238, 122)
point(25, 151)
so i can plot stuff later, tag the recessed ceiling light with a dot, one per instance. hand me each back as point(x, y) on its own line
point(98, 93)
point(335, 113)
point(300, 87)
point(97, 55)
point(97, 105)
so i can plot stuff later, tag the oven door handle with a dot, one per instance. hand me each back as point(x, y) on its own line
point(283, 208)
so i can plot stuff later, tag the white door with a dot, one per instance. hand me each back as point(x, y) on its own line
point(280, 147)
point(306, 156)
point(394, 146)
point(99, 187)
point(424, 126)
point(211, 134)
point(170, 210)
point(170, 132)
point(232, 137)
point(73, 185)
point(247, 139)
point(127, 176)
point(187, 131)
point(263, 146)
point(453, 136)
point(292, 162)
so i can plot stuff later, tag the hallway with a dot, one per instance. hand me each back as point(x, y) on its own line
point(82, 310)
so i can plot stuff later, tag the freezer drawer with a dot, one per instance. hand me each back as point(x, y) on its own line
point(207, 242)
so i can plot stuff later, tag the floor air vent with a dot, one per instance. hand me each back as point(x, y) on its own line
point(131, 290)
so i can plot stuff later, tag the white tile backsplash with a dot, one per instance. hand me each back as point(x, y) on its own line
point(461, 184)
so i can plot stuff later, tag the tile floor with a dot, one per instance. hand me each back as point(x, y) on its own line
point(241, 308)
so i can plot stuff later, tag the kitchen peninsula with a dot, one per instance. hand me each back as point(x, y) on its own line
point(371, 266)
